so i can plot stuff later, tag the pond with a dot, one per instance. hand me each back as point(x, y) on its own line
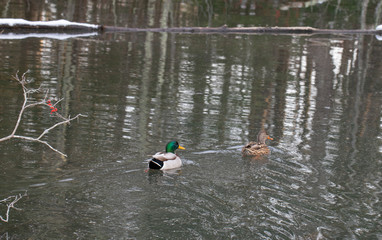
point(318, 96)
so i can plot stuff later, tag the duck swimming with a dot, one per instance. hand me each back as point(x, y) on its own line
point(258, 148)
point(167, 160)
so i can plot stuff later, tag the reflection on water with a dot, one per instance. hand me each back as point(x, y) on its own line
point(319, 97)
point(149, 13)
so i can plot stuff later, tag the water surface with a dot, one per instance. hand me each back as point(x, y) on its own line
point(319, 97)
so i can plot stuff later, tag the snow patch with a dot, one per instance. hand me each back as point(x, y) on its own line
point(56, 23)
point(58, 36)
point(379, 28)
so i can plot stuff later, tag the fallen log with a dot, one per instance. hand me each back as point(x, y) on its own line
point(22, 26)
point(239, 30)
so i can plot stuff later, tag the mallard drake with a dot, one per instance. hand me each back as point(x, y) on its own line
point(258, 148)
point(167, 160)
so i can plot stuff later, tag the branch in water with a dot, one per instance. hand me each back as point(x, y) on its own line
point(26, 93)
point(13, 200)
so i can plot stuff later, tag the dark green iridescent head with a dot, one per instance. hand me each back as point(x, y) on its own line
point(172, 146)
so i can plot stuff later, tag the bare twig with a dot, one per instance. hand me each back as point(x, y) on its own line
point(26, 93)
point(38, 139)
point(10, 202)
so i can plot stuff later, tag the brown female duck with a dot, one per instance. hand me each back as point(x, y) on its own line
point(258, 148)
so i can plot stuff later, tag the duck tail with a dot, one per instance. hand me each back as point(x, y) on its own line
point(155, 164)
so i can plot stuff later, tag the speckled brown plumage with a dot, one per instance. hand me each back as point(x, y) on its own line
point(258, 148)
point(253, 148)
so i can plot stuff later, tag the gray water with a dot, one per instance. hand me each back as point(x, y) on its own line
point(318, 96)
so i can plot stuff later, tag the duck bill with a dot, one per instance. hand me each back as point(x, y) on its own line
point(270, 138)
point(180, 147)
